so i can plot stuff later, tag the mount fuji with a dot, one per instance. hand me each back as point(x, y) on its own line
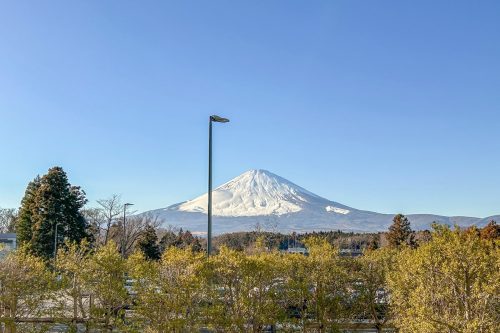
point(261, 199)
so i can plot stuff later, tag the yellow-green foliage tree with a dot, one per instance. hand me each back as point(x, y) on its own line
point(73, 266)
point(369, 283)
point(262, 287)
point(328, 278)
point(26, 289)
point(316, 287)
point(169, 292)
point(451, 284)
point(104, 280)
point(245, 289)
point(297, 291)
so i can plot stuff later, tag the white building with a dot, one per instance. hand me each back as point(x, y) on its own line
point(299, 250)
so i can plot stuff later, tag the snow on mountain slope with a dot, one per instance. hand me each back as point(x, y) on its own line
point(337, 210)
point(254, 193)
point(263, 198)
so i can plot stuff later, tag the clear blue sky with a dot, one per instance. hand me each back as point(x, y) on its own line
point(391, 106)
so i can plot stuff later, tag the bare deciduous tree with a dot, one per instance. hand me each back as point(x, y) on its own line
point(112, 208)
point(134, 228)
point(95, 218)
point(8, 218)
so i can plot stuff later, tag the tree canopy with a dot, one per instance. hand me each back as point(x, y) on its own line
point(51, 206)
point(450, 284)
point(400, 232)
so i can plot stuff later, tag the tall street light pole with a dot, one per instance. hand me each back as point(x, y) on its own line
point(216, 119)
point(124, 230)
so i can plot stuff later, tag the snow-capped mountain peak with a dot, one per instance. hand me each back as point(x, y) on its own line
point(263, 198)
point(253, 193)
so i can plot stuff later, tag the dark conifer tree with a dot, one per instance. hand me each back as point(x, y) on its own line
point(54, 202)
point(491, 231)
point(374, 243)
point(196, 245)
point(186, 239)
point(167, 240)
point(423, 237)
point(400, 232)
point(24, 225)
point(148, 244)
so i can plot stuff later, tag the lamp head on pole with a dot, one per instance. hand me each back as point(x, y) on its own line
point(127, 204)
point(218, 119)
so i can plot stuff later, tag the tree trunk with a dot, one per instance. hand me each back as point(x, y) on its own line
point(10, 327)
point(75, 308)
point(106, 237)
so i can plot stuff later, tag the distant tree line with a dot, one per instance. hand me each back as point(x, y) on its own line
point(280, 241)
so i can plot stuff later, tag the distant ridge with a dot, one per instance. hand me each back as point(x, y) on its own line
point(260, 197)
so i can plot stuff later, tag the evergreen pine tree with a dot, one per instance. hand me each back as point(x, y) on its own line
point(186, 239)
point(51, 201)
point(167, 240)
point(148, 244)
point(400, 232)
point(24, 225)
point(491, 231)
point(374, 243)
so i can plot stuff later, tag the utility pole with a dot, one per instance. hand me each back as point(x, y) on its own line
point(124, 229)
